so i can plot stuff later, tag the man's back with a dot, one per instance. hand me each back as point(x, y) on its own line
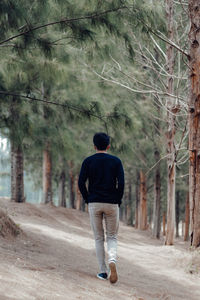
point(106, 185)
point(106, 178)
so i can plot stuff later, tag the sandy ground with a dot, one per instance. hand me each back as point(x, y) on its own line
point(55, 259)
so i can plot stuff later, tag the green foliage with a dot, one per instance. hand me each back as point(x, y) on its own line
point(60, 62)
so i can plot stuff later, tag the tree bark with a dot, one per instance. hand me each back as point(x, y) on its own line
point(137, 200)
point(125, 200)
point(164, 223)
point(171, 166)
point(177, 214)
point(194, 121)
point(78, 194)
point(171, 207)
point(129, 206)
point(187, 218)
point(13, 172)
point(62, 186)
point(47, 174)
point(143, 202)
point(183, 228)
point(17, 174)
point(157, 193)
point(71, 185)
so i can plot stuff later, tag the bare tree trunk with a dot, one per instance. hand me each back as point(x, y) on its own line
point(13, 172)
point(71, 185)
point(137, 200)
point(17, 174)
point(157, 192)
point(62, 193)
point(183, 229)
point(177, 214)
point(125, 205)
point(187, 218)
point(129, 205)
point(150, 218)
point(164, 223)
point(78, 194)
point(194, 121)
point(171, 166)
point(143, 202)
point(47, 175)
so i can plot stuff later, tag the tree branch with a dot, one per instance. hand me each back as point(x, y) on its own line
point(137, 91)
point(161, 38)
point(93, 16)
point(69, 106)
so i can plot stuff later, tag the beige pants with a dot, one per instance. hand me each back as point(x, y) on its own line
point(109, 212)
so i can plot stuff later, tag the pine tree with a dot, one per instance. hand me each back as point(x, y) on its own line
point(194, 123)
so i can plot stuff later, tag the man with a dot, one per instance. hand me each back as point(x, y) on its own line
point(105, 175)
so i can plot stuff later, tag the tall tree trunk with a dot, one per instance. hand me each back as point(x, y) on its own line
point(13, 172)
point(194, 120)
point(177, 214)
point(164, 223)
point(157, 193)
point(129, 205)
point(71, 185)
point(137, 200)
point(47, 174)
point(62, 193)
point(171, 166)
point(125, 205)
point(143, 202)
point(150, 218)
point(183, 228)
point(17, 174)
point(187, 218)
point(78, 194)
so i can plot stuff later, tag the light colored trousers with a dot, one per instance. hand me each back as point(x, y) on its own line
point(109, 212)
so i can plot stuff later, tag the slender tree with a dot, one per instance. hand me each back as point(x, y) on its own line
point(137, 200)
point(157, 198)
point(177, 212)
point(187, 218)
point(143, 202)
point(194, 120)
point(47, 174)
point(171, 164)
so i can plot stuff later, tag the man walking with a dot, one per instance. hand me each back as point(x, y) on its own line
point(105, 176)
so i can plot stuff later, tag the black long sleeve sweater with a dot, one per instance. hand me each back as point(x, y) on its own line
point(105, 176)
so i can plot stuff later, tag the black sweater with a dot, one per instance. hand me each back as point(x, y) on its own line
point(106, 179)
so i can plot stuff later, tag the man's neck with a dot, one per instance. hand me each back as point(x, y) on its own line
point(101, 151)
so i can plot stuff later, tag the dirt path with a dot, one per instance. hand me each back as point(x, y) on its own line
point(56, 260)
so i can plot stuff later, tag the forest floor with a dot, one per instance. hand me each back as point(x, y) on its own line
point(55, 259)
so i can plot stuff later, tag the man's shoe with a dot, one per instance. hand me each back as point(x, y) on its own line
point(102, 276)
point(113, 272)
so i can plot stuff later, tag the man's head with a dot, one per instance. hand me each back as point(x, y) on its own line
point(101, 141)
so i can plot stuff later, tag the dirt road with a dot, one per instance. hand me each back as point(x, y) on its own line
point(55, 259)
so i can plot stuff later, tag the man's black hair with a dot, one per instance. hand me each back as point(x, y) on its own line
point(101, 140)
